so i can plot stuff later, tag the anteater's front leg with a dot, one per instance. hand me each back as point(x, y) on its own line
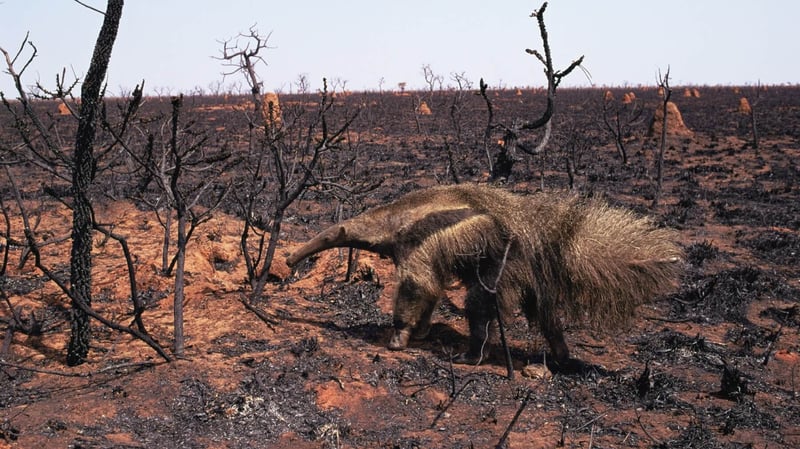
point(413, 307)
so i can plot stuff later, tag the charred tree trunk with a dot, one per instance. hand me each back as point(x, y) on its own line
point(7, 235)
point(179, 282)
point(82, 177)
point(505, 159)
point(487, 132)
point(181, 211)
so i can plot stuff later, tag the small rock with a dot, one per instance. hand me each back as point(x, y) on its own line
point(536, 372)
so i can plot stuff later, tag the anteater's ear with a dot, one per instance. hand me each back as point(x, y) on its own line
point(337, 235)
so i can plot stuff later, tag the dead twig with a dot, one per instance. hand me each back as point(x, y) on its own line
point(768, 351)
point(89, 7)
point(136, 365)
point(259, 313)
point(493, 291)
point(590, 422)
point(668, 320)
point(501, 444)
point(452, 400)
point(639, 420)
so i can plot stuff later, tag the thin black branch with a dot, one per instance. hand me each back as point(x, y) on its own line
point(493, 291)
point(452, 400)
point(119, 366)
point(90, 7)
point(258, 312)
point(525, 400)
point(138, 307)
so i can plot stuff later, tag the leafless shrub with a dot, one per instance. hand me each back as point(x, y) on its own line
point(619, 118)
point(283, 160)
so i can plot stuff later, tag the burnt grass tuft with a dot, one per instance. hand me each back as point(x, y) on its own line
point(726, 295)
point(352, 309)
point(698, 253)
point(782, 248)
point(270, 402)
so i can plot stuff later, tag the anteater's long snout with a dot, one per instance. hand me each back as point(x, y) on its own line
point(332, 237)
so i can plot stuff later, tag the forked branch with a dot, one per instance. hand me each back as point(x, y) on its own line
point(553, 77)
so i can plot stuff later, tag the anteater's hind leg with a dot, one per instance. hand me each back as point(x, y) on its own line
point(551, 330)
point(550, 326)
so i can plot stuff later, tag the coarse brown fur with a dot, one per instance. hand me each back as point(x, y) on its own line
point(555, 256)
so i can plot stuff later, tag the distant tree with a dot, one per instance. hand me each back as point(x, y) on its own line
point(456, 146)
point(462, 88)
point(302, 84)
point(575, 143)
point(666, 93)
point(431, 80)
point(753, 101)
point(619, 118)
point(215, 88)
point(338, 85)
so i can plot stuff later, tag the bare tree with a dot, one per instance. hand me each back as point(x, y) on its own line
point(506, 158)
point(338, 85)
point(82, 167)
point(463, 87)
point(619, 118)
point(575, 142)
point(283, 156)
point(666, 93)
point(431, 79)
point(753, 101)
point(456, 147)
point(186, 173)
point(302, 84)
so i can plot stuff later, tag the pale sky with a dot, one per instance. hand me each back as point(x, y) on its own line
point(171, 43)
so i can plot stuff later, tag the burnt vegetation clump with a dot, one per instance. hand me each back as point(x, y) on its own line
point(727, 294)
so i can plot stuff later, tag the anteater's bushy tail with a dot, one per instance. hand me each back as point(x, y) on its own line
point(616, 261)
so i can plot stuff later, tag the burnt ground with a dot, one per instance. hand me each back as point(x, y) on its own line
point(714, 365)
